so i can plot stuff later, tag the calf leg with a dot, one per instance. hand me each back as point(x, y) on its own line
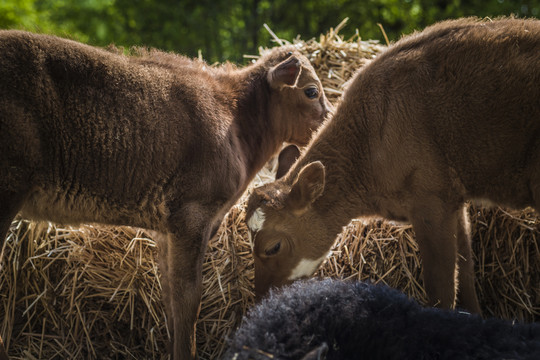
point(168, 276)
point(435, 225)
point(10, 204)
point(190, 229)
point(466, 293)
point(535, 186)
point(184, 260)
point(163, 248)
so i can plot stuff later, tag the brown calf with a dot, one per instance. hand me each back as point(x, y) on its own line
point(445, 115)
point(156, 141)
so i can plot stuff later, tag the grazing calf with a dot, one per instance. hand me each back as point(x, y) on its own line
point(156, 141)
point(444, 115)
point(332, 319)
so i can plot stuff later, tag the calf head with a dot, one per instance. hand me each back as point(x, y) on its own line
point(289, 237)
point(297, 104)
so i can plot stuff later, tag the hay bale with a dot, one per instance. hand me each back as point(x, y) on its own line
point(88, 292)
point(94, 291)
point(335, 59)
point(506, 246)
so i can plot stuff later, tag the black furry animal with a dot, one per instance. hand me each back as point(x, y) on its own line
point(332, 319)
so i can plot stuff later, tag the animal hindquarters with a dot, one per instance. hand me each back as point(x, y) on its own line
point(19, 158)
point(13, 191)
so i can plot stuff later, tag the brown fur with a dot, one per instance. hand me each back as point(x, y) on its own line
point(155, 140)
point(445, 115)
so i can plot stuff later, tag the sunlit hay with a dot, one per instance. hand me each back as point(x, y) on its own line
point(93, 292)
point(334, 58)
point(88, 292)
point(506, 245)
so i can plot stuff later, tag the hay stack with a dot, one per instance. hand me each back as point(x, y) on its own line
point(335, 60)
point(506, 246)
point(94, 291)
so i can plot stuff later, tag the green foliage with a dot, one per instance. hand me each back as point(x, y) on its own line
point(228, 29)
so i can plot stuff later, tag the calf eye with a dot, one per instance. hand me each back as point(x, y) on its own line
point(312, 92)
point(273, 250)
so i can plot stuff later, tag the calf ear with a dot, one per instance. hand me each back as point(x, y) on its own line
point(319, 353)
point(308, 186)
point(284, 73)
point(286, 159)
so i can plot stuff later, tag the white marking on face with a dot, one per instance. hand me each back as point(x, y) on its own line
point(306, 267)
point(256, 221)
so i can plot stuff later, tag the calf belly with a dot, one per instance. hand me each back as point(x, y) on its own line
point(75, 207)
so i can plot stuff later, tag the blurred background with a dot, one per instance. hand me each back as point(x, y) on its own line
point(228, 29)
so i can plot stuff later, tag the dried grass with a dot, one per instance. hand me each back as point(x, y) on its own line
point(94, 291)
point(506, 245)
point(335, 59)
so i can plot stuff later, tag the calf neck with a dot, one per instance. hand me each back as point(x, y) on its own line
point(155, 140)
point(445, 115)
